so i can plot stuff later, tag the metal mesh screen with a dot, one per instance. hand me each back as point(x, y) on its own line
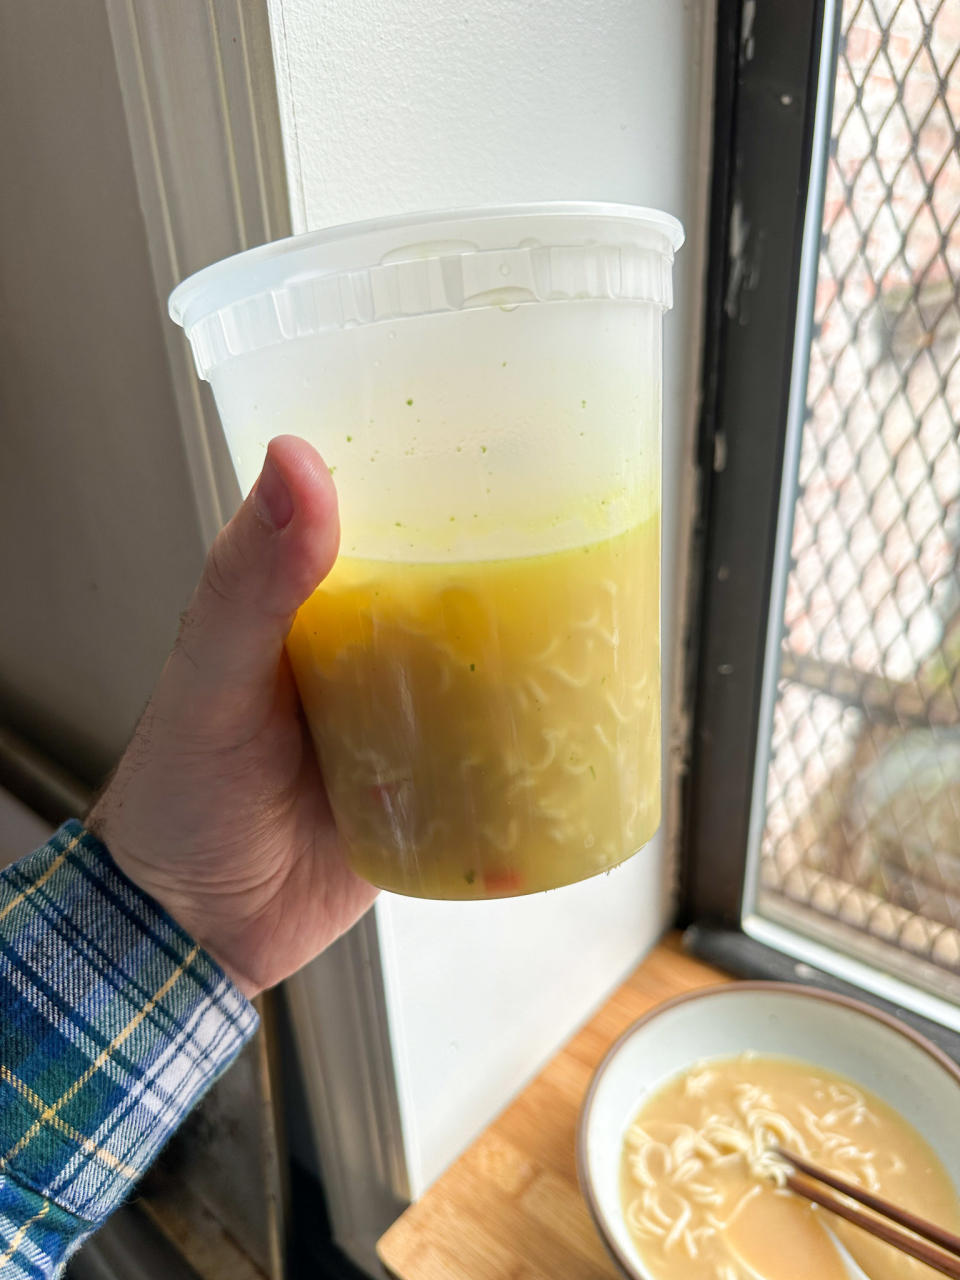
point(861, 842)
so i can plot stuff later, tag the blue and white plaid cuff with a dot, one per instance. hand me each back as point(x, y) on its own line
point(113, 1023)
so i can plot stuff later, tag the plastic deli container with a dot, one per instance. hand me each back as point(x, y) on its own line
point(481, 669)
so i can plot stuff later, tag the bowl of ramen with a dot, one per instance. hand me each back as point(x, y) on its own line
point(675, 1145)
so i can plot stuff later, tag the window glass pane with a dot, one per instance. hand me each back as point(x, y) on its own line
point(860, 842)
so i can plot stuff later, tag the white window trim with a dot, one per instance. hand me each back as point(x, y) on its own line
point(212, 180)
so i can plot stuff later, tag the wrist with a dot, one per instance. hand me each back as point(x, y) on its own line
point(174, 900)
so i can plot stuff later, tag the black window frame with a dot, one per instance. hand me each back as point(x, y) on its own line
point(767, 74)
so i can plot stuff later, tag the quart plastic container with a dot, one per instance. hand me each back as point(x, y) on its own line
point(481, 669)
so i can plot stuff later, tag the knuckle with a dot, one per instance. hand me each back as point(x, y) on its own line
point(218, 576)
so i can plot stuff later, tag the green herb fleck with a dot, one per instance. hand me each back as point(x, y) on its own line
point(409, 402)
point(349, 439)
point(398, 524)
point(503, 364)
point(483, 448)
point(473, 666)
point(470, 877)
point(583, 404)
point(452, 518)
point(593, 773)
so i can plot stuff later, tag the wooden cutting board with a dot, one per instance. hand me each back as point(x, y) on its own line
point(510, 1207)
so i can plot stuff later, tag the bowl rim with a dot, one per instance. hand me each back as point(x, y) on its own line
point(919, 1040)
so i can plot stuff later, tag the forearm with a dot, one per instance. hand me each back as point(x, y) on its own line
point(113, 1023)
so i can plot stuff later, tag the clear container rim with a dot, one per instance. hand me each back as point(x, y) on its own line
point(270, 265)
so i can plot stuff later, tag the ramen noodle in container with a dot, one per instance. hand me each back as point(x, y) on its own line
point(481, 670)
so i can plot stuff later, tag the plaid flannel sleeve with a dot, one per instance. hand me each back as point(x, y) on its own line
point(113, 1023)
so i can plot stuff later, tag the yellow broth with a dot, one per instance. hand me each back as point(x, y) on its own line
point(488, 728)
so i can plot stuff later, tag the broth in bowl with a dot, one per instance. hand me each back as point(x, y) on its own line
point(703, 1194)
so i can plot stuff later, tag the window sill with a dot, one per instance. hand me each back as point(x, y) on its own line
point(511, 1204)
point(745, 957)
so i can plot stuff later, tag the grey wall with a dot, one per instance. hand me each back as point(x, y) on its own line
point(99, 540)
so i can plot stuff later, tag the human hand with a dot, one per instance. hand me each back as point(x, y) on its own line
point(217, 808)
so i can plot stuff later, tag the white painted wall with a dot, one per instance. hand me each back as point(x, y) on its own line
point(393, 105)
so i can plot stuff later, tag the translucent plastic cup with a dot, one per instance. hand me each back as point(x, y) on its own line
point(481, 669)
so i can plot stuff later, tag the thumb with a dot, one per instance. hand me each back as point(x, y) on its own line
point(280, 544)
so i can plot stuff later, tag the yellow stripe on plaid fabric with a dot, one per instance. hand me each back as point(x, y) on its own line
point(49, 1113)
point(83, 1142)
point(91, 932)
point(21, 1233)
point(40, 880)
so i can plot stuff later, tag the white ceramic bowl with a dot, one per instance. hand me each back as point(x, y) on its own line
point(830, 1031)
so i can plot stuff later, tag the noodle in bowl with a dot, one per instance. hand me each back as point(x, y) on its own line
point(657, 1154)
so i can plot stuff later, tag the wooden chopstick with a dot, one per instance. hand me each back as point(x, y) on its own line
point(920, 1226)
point(921, 1239)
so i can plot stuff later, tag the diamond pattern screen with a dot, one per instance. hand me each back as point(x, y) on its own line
point(861, 842)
